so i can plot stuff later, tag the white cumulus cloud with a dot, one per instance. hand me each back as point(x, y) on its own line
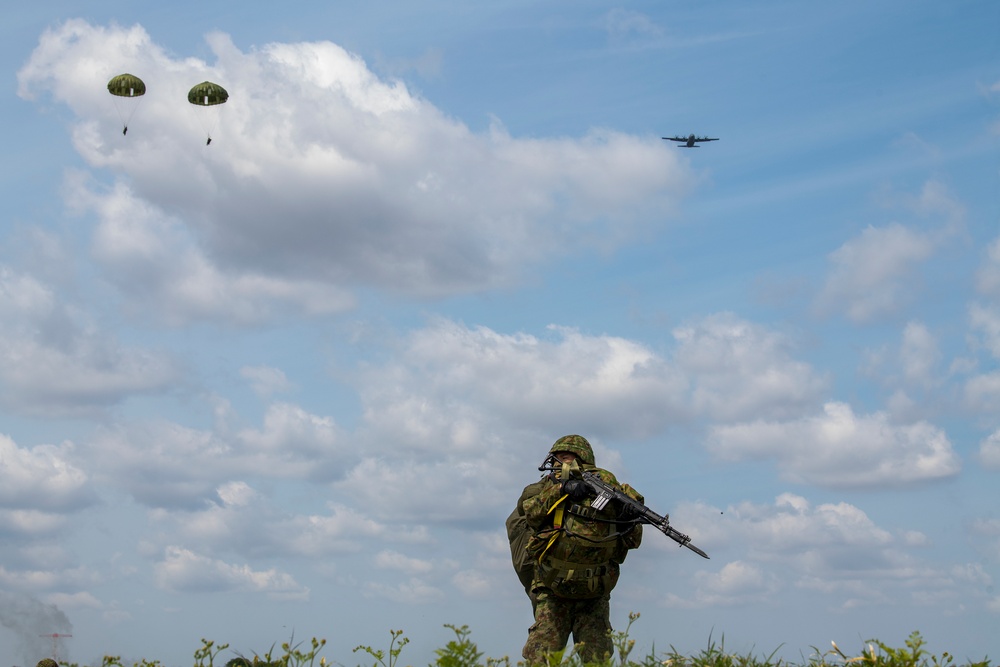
point(838, 448)
point(41, 478)
point(55, 360)
point(872, 274)
point(166, 464)
point(184, 570)
point(740, 369)
point(989, 450)
point(323, 178)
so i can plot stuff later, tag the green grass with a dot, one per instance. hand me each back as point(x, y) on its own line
point(463, 652)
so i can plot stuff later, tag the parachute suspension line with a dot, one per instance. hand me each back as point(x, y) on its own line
point(125, 115)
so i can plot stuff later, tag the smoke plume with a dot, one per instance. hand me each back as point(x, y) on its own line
point(30, 620)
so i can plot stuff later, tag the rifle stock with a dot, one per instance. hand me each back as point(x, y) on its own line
point(604, 493)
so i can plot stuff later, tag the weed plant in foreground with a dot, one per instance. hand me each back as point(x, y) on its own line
point(463, 652)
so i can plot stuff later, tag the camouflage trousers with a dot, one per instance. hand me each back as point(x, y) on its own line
point(557, 618)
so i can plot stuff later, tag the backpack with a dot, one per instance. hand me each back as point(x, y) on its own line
point(518, 534)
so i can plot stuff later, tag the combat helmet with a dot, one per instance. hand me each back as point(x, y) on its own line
point(576, 444)
point(47, 662)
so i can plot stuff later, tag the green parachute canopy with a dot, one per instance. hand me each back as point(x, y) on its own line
point(207, 94)
point(126, 85)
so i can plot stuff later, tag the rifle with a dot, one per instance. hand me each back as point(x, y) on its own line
point(605, 493)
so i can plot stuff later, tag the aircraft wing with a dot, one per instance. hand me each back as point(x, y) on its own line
point(676, 138)
point(707, 139)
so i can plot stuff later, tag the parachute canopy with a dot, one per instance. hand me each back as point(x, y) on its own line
point(126, 85)
point(207, 94)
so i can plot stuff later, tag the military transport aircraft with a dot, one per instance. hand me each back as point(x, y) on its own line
point(690, 141)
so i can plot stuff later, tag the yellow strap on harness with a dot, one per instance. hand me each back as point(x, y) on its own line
point(557, 506)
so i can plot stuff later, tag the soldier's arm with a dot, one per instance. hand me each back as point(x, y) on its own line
point(536, 508)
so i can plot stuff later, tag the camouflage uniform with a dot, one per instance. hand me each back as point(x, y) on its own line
point(578, 550)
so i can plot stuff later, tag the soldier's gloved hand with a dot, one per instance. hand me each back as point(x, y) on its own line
point(576, 489)
point(628, 513)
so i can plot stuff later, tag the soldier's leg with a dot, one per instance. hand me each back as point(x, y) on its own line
point(592, 629)
point(551, 629)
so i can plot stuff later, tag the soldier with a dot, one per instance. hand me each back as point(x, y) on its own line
point(575, 551)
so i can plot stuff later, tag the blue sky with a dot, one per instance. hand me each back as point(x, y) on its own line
point(293, 381)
